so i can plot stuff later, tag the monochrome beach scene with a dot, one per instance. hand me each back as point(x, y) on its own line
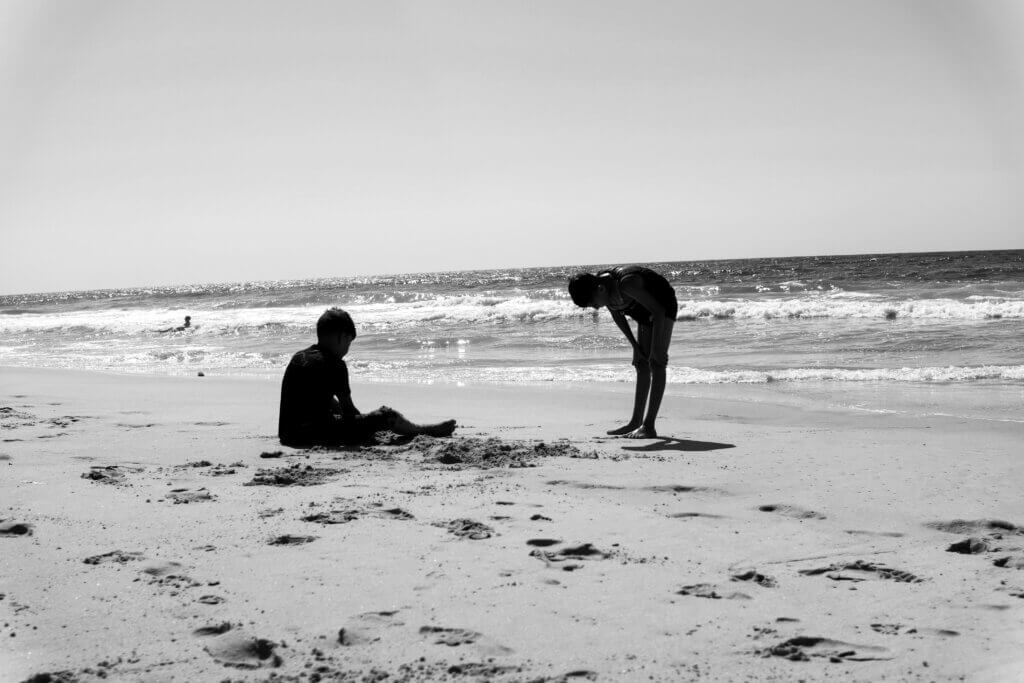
point(489, 341)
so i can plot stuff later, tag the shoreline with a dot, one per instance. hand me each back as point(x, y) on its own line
point(988, 401)
point(681, 529)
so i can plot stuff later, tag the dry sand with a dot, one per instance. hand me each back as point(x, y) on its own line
point(153, 529)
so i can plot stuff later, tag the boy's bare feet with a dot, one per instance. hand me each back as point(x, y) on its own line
point(624, 429)
point(440, 429)
point(643, 432)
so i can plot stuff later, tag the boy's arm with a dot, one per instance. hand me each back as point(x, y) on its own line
point(623, 325)
point(348, 409)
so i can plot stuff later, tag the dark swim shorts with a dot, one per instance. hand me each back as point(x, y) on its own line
point(347, 432)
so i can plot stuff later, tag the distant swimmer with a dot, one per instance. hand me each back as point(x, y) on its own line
point(649, 299)
point(181, 328)
point(316, 401)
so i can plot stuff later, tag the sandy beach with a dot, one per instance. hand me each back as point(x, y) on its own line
point(152, 528)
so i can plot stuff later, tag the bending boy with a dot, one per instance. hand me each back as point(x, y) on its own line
point(649, 299)
point(316, 402)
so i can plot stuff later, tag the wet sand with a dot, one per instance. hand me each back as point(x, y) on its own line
point(152, 528)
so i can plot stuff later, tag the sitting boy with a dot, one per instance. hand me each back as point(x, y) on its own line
point(649, 299)
point(316, 402)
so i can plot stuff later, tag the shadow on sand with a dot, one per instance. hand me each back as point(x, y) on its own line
point(668, 443)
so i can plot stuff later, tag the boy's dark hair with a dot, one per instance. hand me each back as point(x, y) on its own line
point(581, 288)
point(335, 320)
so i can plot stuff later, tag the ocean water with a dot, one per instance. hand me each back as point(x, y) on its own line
point(824, 324)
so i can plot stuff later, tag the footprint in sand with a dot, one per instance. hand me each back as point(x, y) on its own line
point(802, 648)
point(114, 556)
point(213, 630)
point(970, 546)
point(467, 528)
point(791, 511)
point(169, 575)
point(753, 576)
point(860, 570)
point(711, 592)
point(288, 539)
point(900, 629)
point(888, 534)
point(584, 485)
point(162, 568)
point(331, 517)
point(973, 527)
point(352, 514)
point(480, 671)
point(454, 637)
point(378, 510)
point(210, 599)
point(243, 652)
point(109, 474)
point(196, 464)
point(186, 496)
point(1010, 562)
point(294, 475)
point(571, 676)
point(367, 627)
point(586, 551)
point(985, 536)
point(691, 515)
point(15, 528)
point(677, 488)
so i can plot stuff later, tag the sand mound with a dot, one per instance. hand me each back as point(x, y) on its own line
point(114, 556)
point(465, 452)
point(802, 648)
point(467, 528)
point(969, 546)
point(185, 496)
point(243, 652)
point(295, 475)
point(109, 474)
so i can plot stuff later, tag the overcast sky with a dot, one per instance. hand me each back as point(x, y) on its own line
point(147, 142)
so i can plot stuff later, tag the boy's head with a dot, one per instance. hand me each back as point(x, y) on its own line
point(586, 290)
point(335, 331)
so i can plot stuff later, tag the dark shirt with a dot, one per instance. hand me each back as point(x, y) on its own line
point(311, 381)
point(654, 283)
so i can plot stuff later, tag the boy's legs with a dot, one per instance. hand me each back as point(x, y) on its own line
point(397, 423)
point(658, 362)
point(361, 428)
point(643, 381)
